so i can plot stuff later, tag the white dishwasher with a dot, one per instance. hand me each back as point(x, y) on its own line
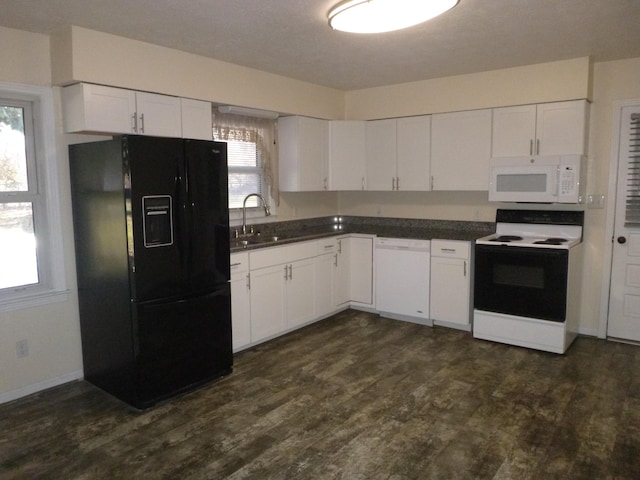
point(402, 279)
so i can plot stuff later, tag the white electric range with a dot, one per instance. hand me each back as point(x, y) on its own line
point(527, 279)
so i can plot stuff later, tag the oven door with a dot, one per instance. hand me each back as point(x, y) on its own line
point(523, 281)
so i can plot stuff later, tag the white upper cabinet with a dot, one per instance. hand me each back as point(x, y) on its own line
point(197, 119)
point(304, 157)
point(558, 128)
point(460, 150)
point(89, 108)
point(158, 115)
point(413, 162)
point(347, 155)
point(95, 108)
point(381, 154)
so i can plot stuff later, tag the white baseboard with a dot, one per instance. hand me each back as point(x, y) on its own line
point(37, 387)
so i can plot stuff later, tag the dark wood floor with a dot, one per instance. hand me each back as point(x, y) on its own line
point(353, 397)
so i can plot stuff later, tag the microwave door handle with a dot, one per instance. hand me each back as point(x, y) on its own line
point(557, 189)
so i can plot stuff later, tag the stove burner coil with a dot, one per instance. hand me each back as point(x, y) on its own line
point(551, 241)
point(506, 238)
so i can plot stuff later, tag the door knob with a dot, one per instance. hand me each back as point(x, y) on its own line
point(622, 240)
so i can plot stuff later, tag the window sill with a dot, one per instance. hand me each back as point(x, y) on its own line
point(34, 300)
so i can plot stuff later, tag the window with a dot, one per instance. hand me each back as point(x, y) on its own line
point(246, 174)
point(29, 212)
point(251, 154)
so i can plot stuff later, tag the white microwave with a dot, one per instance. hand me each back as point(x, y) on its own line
point(549, 179)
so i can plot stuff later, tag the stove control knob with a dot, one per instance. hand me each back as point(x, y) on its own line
point(622, 240)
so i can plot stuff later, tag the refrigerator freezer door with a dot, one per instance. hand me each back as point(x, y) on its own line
point(208, 209)
point(179, 345)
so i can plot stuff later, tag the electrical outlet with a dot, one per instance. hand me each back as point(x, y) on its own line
point(22, 348)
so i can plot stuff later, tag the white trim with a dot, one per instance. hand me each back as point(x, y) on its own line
point(610, 215)
point(37, 387)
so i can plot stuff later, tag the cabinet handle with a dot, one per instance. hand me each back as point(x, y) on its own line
point(248, 281)
point(431, 182)
point(335, 260)
point(286, 277)
point(464, 268)
point(531, 147)
point(329, 246)
point(134, 122)
point(339, 246)
point(538, 147)
point(326, 184)
point(362, 183)
point(397, 183)
point(448, 250)
point(142, 123)
point(235, 264)
point(290, 272)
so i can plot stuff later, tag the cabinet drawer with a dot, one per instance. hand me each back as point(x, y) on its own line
point(327, 245)
point(267, 257)
point(450, 248)
point(239, 264)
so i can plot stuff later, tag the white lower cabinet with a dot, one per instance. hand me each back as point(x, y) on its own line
point(299, 293)
point(451, 283)
point(361, 286)
point(267, 303)
point(240, 301)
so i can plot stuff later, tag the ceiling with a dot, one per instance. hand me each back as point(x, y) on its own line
point(292, 37)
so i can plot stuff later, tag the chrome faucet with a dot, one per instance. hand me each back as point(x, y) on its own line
point(265, 205)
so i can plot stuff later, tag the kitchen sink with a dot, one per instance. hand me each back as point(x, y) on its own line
point(254, 240)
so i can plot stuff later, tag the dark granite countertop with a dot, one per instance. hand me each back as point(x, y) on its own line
point(298, 230)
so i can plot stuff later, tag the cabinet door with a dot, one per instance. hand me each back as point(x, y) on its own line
point(324, 282)
point(562, 128)
point(414, 153)
point(240, 300)
point(300, 293)
point(381, 154)
point(304, 154)
point(361, 269)
point(450, 290)
point(267, 302)
point(342, 279)
point(158, 115)
point(347, 155)
point(95, 108)
point(514, 131)
point(460, 150)
point(241, 312)
point(197, 120)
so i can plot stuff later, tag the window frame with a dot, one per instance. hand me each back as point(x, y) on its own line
point(45, 198)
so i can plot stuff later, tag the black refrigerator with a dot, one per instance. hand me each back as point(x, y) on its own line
point(151, 226)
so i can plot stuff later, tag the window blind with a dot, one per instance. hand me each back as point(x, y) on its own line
point(632, 209)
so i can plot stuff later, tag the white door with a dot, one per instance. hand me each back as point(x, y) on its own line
point(381, 154)
point(159, 115)
point(347, 155)
point(342, 279)
point(414, 154)
point(267, 302)
point(624, 296)
point(449, 290)
point(300, 293)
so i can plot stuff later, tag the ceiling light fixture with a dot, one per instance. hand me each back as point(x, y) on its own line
point(377, 16)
